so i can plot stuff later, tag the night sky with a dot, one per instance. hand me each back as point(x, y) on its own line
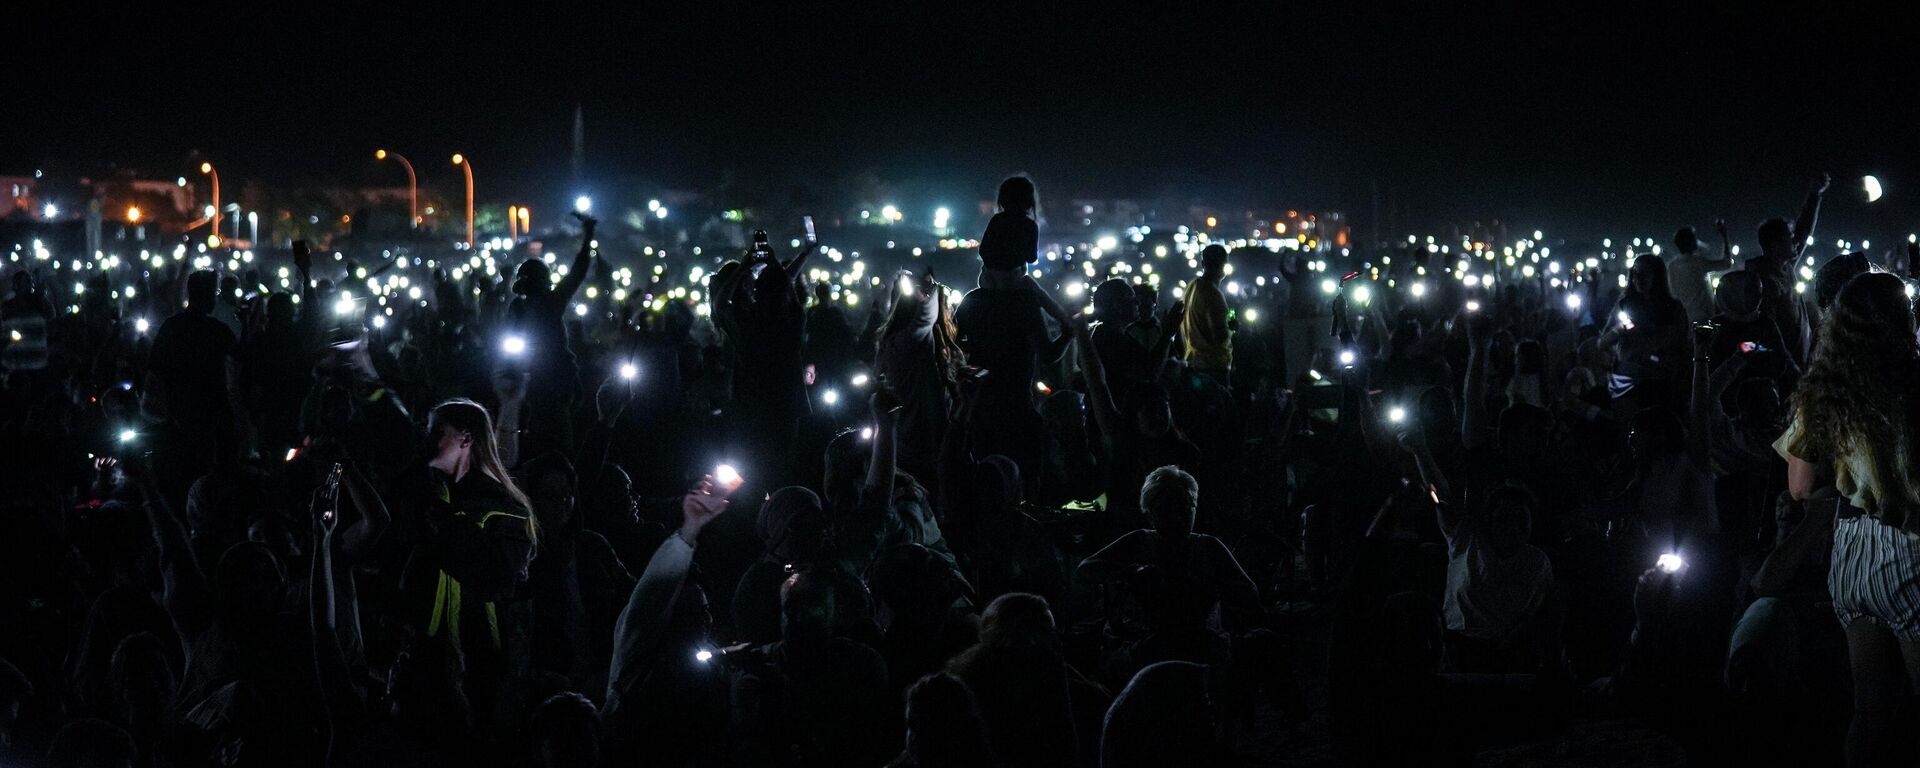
point(1579, 121)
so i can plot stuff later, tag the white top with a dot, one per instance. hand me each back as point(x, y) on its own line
point(1488, 597)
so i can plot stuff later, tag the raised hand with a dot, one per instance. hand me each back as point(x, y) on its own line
point(302, 256)
point(702, 505)
point(1820, 184)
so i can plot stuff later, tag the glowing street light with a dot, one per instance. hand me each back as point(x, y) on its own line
point(413, 183)
point(467, 167)
point(133, 214)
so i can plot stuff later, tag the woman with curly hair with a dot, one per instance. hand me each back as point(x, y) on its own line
point(1856, 430)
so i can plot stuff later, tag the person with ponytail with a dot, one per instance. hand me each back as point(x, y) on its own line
point(1850, 456)
point(477, 541)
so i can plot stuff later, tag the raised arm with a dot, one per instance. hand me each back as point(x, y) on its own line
point(1809, 213)
point(644, 619)
point(337, 695)
point(1726, 247)
point(1163, 343)
point(582, 262)
point(185, 594)
point(1474, 420)
point(359, 539)
point(1700, 402)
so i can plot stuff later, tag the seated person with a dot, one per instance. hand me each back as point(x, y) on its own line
point(1497, 584)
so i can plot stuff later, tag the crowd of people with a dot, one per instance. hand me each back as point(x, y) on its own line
point(490, 530)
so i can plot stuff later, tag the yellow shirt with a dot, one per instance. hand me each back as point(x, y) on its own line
point(1864, 477)
point(1203, 329)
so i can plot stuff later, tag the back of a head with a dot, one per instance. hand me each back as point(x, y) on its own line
point(1113, 299)
point(1871, 315)
point(792, 522)
point(1509, 517)
point(565, 731)
point(1016, 620)
point(943, 723)
point(1017, 195)
point(1164, 716)
point(1170, 497)
point(1739, 292)
point(202, 286)
point(806, 606)
point(92, 743)
point(1835, 274)
point(1774, 232)
point(1213, 256)
point(1686, 240)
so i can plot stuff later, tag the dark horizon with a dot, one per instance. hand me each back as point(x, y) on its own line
point(1584, 123)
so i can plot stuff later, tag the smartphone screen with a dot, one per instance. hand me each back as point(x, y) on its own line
point(807, 221)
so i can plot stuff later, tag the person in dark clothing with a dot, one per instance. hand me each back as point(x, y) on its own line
point(1163, 718)
point(537, 317)
point(189, 364)
point(944, 729)
point(1003, 331)
point(475, 541)
point(813, 699)
point(1012, 239)
point(793, 527)
point(1017, 673)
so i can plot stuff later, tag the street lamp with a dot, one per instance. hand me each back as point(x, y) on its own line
point(413, 183)
point(513, 222)
point(133, 214)
point(466, 166)
point(214, 219)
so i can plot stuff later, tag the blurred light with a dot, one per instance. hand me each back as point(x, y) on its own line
point(343, 305)
point(1397, 414)
point(140, 325)
point(1346, 357)
point(583, 204)
point(830, 397)
point(703, 656)
point(1329, 287)
point(1473, 306)
point(1873, 188)
point(514, 344)
point(940, 217)
point(629, 371)
point(1362, 295)
point(860, 379)
point(1419, 289)
point(50, 211)
point(127, 435)
point(208, 167)
point(133, 214)
point(1670, 562)
point(1573, 301)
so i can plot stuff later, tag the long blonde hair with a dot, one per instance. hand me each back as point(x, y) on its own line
point(463, 415)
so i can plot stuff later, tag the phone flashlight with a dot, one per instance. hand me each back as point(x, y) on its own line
point(629, 371)
point(1669, 563)
point(1473, 306)
point(866, 433)
point(1573, 301)
point(1397, 414)
point(292, 453)
point(1346, 357)
point(860, 379)
point(1625, 321)
point(1042, 388)
point(128, 435)
point(830, 396)
point(703, 656)
point(727, 478)
point(514, 344)
point(1315, 375)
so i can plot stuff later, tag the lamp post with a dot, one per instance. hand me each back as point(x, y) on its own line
point(214, 222)
point(467, 166)
point(413, 183)
point(513, 222)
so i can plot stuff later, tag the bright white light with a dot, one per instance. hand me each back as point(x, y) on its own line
point(50, 211)
point(140, 325)
point(1107, 243)
point(660, 213)
point(1253, 315)
point(940, 218)
point(344, 305)
point(703, 656)
point(379, 321)
point(1419, 290)
point(727, 476)
point(860, 379)
point(1473, 306)
point(1346, 357)
point(514, 345)
point(629, 371)
point(866, 433)
point(1670, 562)
point(1873, 188)
point(653, 205)
point(1362, 294)
point(1573, 301)
point(830, 397)
point(127, 435)
point(889, 213)
point(583, 204)
point(1397, 414)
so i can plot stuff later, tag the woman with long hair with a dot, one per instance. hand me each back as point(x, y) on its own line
point(918, 358)
point(1648, 335)
point(475, 549)
point(1856, 431)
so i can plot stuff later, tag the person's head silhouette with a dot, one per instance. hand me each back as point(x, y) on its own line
point(1213, 261)
point(202, 286)
point(1170, 498)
